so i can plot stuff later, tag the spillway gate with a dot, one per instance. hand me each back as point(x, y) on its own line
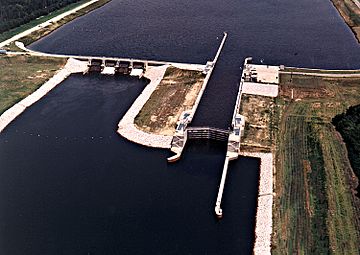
point(207, 133)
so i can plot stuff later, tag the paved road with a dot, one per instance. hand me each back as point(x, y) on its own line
point(322, 74)
point(187, 66)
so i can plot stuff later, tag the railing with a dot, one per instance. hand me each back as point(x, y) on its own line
point(238, 97)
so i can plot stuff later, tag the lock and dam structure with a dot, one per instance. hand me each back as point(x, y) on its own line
point(184, 131)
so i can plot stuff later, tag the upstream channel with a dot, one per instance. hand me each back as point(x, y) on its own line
point(70, 185)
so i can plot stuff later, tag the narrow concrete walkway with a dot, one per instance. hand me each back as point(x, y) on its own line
point(324, 74)
point(187, 66)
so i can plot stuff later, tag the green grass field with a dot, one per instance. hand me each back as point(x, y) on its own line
point(36, 35)
point(314, 208)
point(8, 34)
point(21, 75)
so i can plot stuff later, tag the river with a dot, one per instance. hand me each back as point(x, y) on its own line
point(70, 185)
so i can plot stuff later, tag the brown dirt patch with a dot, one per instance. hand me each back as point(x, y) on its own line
point(258, 112)
point(176, 93)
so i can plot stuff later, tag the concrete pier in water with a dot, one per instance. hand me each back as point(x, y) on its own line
point(233, 147)
point(218, 210)
point(180, 137)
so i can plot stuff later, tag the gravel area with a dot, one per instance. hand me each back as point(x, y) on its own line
point(263, 228)
point(261, 89)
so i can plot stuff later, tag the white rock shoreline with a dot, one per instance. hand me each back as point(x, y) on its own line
point(263, 228)
point(126, 126)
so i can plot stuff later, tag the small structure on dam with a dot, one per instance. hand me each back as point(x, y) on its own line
point(95, 65)
point(124, 67)
point(109, 67)
point(112, 66)
point(207, 133)
point(183, 134)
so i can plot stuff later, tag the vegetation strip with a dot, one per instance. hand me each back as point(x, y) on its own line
point(350, 12)
point(176, 93)
point(72, 66)
point(22, 75)
point(348, 124)
point(34, 15)
point(38, 32)
point(259, 122)
point(315, 210)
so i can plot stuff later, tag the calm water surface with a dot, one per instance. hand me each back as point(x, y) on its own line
point(306, 33)
point(70, 185)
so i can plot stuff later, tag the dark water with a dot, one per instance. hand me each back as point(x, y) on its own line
point(78, 188)
point(307, 33)
point(70, 185)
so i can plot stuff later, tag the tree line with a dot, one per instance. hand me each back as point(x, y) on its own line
point(14, 13)
point(348, 124)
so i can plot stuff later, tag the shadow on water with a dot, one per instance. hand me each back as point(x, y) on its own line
point(70, 185)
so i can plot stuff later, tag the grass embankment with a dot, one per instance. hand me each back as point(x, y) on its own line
point(350, 13)
point(22, 75)
point(315, 207)
point(36, 35)
point(12, 32)
point(176, 93)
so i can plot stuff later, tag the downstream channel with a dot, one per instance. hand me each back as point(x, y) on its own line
point(70, 185)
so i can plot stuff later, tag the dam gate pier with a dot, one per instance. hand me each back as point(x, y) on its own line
point(231, 136)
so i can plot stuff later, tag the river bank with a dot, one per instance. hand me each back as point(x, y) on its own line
point(126, 126)
point(22, 75)
point(350, 12)
point(313, 44)
point(175, 94)
point(72, 66)
point(37, 21)
point(35, 33)
point(263, 229)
